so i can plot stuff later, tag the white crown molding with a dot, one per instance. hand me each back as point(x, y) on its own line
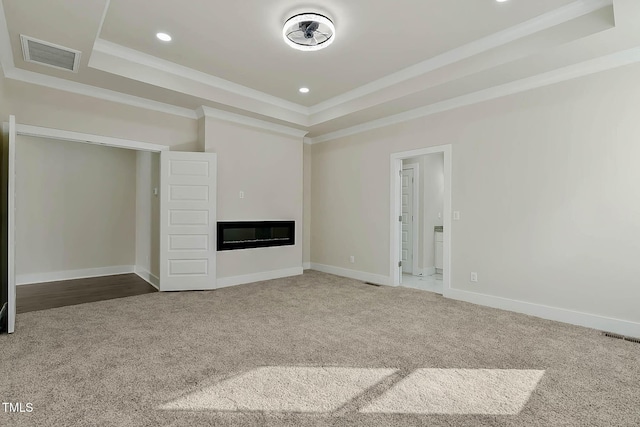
point(226, 116)
point(95, 92)
point(102, 19)
point(543, 22)
point(566, 13)
point(140, 58)
point(582, 69)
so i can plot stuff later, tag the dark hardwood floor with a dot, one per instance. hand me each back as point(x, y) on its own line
point(42, 296)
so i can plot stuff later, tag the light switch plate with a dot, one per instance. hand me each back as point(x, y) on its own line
point(456, 215)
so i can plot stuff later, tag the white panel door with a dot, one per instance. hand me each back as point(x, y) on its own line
point(11, 219)
point(187, 221)
point(407, 221)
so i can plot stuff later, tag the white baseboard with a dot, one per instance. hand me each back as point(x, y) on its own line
point(353, 274)
point(306, 265)
point(56, 276)
point(148, 277)
point(622, 327)
point(225, 282)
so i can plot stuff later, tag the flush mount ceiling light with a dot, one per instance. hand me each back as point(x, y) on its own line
point(164, 37)
point(309, 32)
point(304, 90)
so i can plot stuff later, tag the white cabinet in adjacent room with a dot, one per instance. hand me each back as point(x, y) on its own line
point(439, 250)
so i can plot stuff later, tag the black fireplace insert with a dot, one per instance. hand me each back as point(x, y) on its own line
point(255, 234)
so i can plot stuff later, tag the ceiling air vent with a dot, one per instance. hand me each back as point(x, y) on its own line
point(50, 54)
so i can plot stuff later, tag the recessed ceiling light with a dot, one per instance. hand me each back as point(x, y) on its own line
point(501, 1)
point(164, 37)
point(304, 90)
point(309, 32)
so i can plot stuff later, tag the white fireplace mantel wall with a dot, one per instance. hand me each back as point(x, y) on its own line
point(267, 167)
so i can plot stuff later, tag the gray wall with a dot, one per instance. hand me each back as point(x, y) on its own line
point(75, 206)
point(546, 182)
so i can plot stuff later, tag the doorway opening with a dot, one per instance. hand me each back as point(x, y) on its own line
point(184, 253)
point(85, 215)
point(421, 219)
point(42, 231)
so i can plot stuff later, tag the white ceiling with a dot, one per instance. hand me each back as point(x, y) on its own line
point(241, 41)
point(388, 59)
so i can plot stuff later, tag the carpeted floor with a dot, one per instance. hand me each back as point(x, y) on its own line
point(311, 350)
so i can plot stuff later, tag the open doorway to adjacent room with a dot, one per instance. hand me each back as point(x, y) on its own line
point(421, 203)
point(86, 223)
point(422, 221)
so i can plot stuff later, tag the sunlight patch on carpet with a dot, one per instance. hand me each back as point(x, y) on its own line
point(283, 389)
point(459, 391)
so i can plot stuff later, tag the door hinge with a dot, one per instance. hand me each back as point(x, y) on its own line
point(400, 218)
point(399, 263)
point(400, 172)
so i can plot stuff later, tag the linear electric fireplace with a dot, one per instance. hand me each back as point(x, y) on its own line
point(255, 234)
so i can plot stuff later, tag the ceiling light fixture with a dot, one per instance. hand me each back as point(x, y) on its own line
point(164, 37)
point(309, 32)
point(304, 90)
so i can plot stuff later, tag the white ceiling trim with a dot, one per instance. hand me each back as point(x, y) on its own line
point(140, 58)
point(65, 135)
point(96, 92)
point(104, 16)
point(11, 72)
point(543, 22)
point(6, 54)
point(582, 69)
point(226, 116)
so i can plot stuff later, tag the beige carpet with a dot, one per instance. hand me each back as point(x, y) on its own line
point(311, 350)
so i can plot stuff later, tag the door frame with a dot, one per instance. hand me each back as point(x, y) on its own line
point(416, 213)
point(395, 271)
point(9, 130)
point(87, 138)
point(64, 135)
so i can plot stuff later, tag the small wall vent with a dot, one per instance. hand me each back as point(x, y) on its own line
point(621, 337)
point(50, 54)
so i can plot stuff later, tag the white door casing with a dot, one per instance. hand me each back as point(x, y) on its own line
point(407, 221)
point(187, 221)
point(11, 219)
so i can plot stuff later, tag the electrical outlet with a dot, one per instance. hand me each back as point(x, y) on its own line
point(242, 194)
point(352, 259)
point(474, 276)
